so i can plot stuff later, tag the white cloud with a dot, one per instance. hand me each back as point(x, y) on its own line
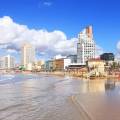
point(13, 35)
point(59, 56)
point(46, 3)
point(99, 50)
point(117, 56)
point(49, 44)
point(11, 51)
point(118, 46)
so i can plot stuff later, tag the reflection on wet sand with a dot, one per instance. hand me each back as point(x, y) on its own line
point(98, 86)
point(110, 85)
point(102, 100)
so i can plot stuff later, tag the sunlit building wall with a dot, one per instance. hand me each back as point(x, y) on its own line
point(27, 55)
point(85, 46)
point(7, 62)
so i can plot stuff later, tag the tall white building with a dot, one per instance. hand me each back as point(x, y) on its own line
point(28, 56)
point(2, 63)
point(85, 45)
point(7, 62)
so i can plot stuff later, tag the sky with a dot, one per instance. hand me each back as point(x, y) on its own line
point(53, 25)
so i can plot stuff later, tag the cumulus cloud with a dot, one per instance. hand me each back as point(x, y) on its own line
point(13, 35)
point(118, 46)
point(11, 51)
point(99, 50)
point(117, 56)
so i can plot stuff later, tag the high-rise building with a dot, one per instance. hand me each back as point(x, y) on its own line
point(107, 56)
point(73, 58)
point(7, 62)
point(2, 63)
point(27, 55)
point(85, 45)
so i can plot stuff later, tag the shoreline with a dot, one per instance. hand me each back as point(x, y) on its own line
point(63, 74)
point(81, 108)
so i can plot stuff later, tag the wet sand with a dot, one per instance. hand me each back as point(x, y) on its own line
point(98, 107)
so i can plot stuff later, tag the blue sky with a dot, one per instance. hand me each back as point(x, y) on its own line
point(69, 16)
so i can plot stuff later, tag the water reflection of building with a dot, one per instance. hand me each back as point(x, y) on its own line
point(109, 85)
point(93, 86)
point(96, 86)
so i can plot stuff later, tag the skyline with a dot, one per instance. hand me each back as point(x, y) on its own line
point(67, 21)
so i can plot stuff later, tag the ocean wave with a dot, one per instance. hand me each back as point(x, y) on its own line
point(6, 77)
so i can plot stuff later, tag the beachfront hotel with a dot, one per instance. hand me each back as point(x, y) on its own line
point(27, 56)
point(85, 45)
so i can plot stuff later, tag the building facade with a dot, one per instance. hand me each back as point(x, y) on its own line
point(73, 58)
point(49, 65)
point(85, 46)
point(38, 65)
point(2, 63)
point(7, 62)
point(96, 67)
point(107, 56)
point(27, 55)
point(61, 64)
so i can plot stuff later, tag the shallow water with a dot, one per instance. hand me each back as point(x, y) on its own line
point(45, 97)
